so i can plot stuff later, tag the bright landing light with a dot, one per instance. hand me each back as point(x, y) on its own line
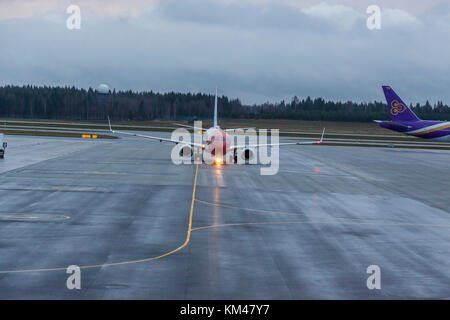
point(218, 161)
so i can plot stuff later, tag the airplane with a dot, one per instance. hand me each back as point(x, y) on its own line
point(404, 120)
point(218, 142)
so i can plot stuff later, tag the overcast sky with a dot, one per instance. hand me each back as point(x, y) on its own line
point(255, 50)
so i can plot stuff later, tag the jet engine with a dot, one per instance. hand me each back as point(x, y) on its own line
point(245, 154)
point(186, 151)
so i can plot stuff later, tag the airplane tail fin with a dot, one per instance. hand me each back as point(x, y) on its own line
point(397, 108)
point(215, 110)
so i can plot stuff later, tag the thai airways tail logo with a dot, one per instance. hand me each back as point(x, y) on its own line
point(397, 107)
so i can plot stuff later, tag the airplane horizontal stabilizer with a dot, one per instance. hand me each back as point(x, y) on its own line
point(393, 124)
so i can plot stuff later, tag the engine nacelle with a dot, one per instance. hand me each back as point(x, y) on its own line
point(245, 154)
point(186, 151)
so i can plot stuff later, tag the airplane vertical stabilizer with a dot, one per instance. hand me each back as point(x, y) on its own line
point(397, 108)
point(215, 110)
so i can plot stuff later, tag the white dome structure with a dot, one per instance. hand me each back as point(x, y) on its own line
point(103, 88)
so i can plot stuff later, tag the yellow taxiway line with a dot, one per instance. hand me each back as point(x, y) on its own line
point(190, 230)
point(186, 242)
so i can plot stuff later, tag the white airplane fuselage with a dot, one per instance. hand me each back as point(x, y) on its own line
point(217, 142)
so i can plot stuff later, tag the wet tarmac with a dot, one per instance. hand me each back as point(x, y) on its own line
point(141, 227)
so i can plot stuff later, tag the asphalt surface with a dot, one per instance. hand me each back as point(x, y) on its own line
point(120, 210)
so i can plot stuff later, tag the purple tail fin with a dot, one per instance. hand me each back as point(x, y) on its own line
point(397, 108)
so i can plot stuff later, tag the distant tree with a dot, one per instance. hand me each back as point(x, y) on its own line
point(75, 104)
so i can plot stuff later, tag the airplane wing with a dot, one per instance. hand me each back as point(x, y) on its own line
point(190, 127)
point(281, 144)
point(185, 126)
point(160, 139)
point(203, 130)
point(234, 129)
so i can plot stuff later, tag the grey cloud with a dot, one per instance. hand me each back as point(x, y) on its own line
point(250, 52)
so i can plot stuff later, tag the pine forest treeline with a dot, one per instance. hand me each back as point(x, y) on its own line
point(70, 103)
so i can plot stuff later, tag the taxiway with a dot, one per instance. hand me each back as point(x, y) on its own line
point(143, 228)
